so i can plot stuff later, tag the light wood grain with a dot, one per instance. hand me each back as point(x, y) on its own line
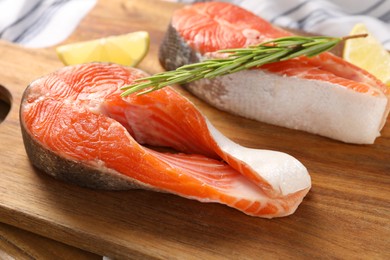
point(345, 215)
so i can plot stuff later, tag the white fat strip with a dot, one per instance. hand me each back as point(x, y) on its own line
point(285, 173)
point(315, 106)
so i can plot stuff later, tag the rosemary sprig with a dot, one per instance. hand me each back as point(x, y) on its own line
point(280, 49)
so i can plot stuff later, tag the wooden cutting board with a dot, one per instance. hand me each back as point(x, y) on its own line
point(345, 215)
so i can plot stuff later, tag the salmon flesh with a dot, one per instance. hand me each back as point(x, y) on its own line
point(76, 127)
point(323, 95)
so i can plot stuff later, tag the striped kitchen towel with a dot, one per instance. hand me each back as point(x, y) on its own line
point(327, 17)
point(41, 23)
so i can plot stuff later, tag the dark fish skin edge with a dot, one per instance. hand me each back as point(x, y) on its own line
point(174, 46)
point(67, 170)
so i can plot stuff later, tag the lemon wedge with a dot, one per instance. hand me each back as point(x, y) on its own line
point(127, 49)
point(368, 53)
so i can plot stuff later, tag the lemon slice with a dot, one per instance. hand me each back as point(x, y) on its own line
point(127, 49)
point(368, 53)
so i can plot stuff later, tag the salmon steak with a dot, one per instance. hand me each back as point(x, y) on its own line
point(77, 128)
point(323, 95)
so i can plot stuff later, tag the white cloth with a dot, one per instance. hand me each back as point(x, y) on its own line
point(326, 17)
point(41, 23)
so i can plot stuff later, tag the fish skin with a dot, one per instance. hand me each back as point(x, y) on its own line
point(77, 128)
point(272, 93)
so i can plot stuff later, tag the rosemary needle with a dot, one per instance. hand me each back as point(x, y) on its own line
point(238, 59)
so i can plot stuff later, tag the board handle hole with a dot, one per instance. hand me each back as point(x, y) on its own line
point(5, 103)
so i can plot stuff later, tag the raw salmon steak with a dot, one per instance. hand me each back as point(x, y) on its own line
point(76, 127)
point(323, 95)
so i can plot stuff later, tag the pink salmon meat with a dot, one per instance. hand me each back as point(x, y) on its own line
point(323, 95)
point(76, 127)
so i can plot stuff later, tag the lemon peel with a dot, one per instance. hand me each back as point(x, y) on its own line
point(368, 53)
point(126, 49)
